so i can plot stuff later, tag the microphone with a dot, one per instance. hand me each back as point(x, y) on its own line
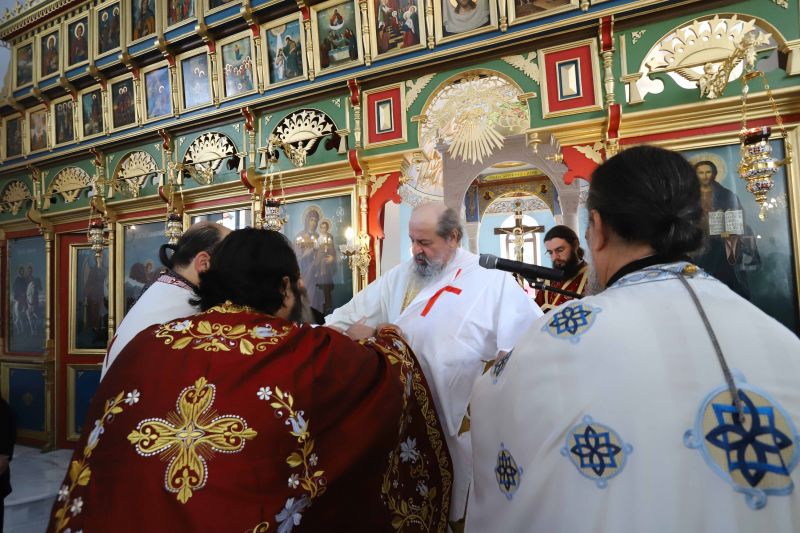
point(525, 270)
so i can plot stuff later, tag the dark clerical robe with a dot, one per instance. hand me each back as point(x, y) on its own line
point(232, 420)
point(548, 300)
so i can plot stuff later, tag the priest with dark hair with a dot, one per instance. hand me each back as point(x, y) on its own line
point(242, 418)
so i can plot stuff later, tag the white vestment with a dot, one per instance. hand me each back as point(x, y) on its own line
point(456, 323)
point(612, 414)
point(166, 299)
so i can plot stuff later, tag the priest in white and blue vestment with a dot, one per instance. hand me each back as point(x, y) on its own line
point(665, 403)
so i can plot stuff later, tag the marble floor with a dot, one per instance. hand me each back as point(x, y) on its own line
point(35, 479)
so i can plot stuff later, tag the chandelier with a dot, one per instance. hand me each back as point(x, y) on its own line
point(758, 165)
point(173, 229)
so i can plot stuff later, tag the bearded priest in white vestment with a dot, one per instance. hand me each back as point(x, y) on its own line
point(456, 315)
point(169, 296)
point(615, 413)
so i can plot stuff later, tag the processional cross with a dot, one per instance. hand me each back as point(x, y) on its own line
point(518, 230)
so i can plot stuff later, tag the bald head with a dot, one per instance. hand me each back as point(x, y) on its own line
point(435, 232)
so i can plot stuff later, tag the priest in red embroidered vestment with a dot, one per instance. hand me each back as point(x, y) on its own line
point(564, 250)
point(239, 419)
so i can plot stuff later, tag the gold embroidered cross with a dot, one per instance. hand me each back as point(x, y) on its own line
point(189, 436)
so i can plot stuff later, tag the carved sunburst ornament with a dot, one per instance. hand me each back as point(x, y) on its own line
point(133, 171)
point(473, 114)
point(302, 131)
point(693, 53)
point(14, 196)
point(206, 154)
point(69, 183)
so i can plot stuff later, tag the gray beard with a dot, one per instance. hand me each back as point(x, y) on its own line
point(427, 271)
point(593, 285)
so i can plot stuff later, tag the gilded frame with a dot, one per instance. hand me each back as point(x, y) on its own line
point(792, 185)
point(221, 44)
point(164, 15)
point(265, 59)
point(355, 223)
point(41, 39)
point(54, 120)
point(72, 303)
point(96, 14)
point(120, 277)
point(88, 33)
point(208, 10)
point(315, 11)
point(438, 25)
point(188, 56)
point(513, 18)
point(172, 112)
point(373, 31)
point(403, 123)
point(34, 63)
point(157, 28)
point(595, 65)
point(190, 214)
point(22, 135)
point(103, 118)
point(72, 371)
point(36, 110)
point(134, 103)
point(5, 376)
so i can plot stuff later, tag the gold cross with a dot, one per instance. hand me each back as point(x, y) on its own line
point(518, 230)
point(189, 436)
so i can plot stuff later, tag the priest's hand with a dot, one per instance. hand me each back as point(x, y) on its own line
point(360, 330)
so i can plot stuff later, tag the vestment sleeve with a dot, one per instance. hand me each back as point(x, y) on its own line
point(365, 304)
point(515, 313)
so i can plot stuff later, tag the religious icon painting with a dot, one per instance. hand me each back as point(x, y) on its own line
point(26, 295)
point(24, 387)
point(237, 66)
point(64, 123)
point(108, 23)
point(23, 64)
point(396, 26)
point(335, 26)
point(141, 242)
point(143, 19)
point(232, 219)
point(157, 92)
point(195, 80)
point(317, 227)
point(49, 54)
point(82, 383)
point(214, 5)
point(524, 10)
point(285, 57)
point(571, 79)
point(754, 257)
point(456, 19)
point(77, 51)
point(13, 140)
point(179, 11)
point(91, 113)
point(123, 103)
point(88, 300)
point(385, 115)
point(37, 126)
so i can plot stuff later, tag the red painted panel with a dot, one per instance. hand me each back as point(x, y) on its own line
point(582, 53)
point(373, 136)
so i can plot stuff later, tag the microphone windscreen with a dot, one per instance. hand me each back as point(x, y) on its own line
point(488, 261)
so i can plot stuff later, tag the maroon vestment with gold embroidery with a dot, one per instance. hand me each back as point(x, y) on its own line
point(548, 300)
point(237, 421)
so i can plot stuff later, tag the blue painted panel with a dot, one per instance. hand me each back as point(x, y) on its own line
point(86, 383)
point(26, 396)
